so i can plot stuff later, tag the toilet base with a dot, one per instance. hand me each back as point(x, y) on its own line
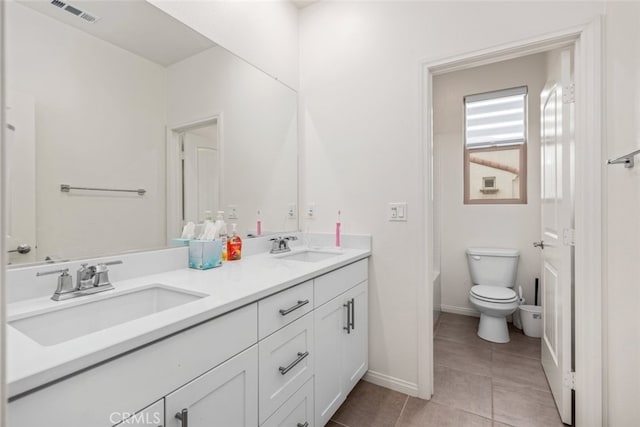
point(493, 329)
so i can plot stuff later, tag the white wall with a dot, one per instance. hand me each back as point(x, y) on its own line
point(361, 118)
point(265, 33)
point(259, 132)
point(100, 114)
point(463, 226)
point(622, 207)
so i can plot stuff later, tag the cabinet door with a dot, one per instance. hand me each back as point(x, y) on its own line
point(356, 342)
point(224, 396)
point(151, 416)
point(330, 319)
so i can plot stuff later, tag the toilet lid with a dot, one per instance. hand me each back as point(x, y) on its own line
point(494, 293)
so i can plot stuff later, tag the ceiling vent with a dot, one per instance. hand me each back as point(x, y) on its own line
point(82, 14)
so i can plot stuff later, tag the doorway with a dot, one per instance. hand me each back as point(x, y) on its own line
point(490, 189)
point(588, 212)
point(194, 173)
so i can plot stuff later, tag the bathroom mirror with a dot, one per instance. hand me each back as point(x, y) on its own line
point(117, 95)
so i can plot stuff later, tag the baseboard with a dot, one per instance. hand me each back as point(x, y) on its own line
point(392, 383)
point(465, 311)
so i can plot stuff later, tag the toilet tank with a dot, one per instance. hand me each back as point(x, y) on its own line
point(493, 266)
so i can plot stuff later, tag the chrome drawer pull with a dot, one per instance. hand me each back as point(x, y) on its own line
point(300, 303)
point(300, 358)
point(183, 416)
point(306, 424)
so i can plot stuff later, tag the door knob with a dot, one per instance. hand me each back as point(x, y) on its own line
point(539, 244)
point(22, 249)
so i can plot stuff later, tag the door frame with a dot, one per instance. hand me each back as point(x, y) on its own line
point(589, 196)
point(174, 176)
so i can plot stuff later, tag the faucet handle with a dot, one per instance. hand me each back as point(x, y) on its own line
point(291, 238)
point(63, 271)
point(65, 282)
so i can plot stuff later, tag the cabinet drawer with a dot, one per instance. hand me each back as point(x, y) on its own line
point(333, 284)
point(286, 363)
point(284, 307)
point(297, 411)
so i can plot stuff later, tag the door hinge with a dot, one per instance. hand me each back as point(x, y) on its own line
point(569, 94)
point(569, 237)
point(570, 380)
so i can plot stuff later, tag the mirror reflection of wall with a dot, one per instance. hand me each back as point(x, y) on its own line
point(103, 99)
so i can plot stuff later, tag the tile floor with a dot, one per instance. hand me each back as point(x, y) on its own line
point(477, 383)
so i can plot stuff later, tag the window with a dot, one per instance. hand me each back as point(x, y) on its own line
point(495, 147)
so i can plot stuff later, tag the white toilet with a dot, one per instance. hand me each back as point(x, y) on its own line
point(493, 273)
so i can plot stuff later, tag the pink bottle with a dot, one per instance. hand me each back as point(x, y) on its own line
point(338, 231)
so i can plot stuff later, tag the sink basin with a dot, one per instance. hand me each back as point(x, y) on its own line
point(309, 255)
point(66, 323)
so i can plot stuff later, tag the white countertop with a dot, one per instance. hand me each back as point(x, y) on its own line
point(235, 284)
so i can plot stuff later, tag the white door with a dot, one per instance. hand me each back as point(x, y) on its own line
point(557, 234)
point(21, 179)
point(225, 396)
point(201, 180)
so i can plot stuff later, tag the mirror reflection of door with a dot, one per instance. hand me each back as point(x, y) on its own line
point(200, 172)
point(21, 179)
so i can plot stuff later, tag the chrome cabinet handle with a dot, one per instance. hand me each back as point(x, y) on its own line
point(183, 416)
point(352, 324)
point(300, 358)
point(539, 244)
point(351, 317)
point(306, 424)
point(300, 303)
point(348, 327)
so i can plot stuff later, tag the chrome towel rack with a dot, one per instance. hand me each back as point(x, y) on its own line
point(65, 188)
point(626, 160)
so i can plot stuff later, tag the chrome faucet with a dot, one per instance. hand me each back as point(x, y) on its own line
point(90, 280)
point(281, 244)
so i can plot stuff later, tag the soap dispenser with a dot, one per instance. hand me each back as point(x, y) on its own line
point(222, 233)
point(234, 245)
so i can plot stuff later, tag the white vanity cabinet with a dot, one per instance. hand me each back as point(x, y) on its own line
point(288, 359)
point(224, 396)
point(341, 334)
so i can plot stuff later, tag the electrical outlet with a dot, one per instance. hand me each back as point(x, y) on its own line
point(232, 212)
point(292, 211)
point(311, 211)
point(398, 211)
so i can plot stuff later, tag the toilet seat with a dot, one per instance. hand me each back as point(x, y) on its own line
point(494, 294)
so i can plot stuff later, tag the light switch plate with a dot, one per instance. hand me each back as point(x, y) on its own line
point(398, 211)
point(232, 212)
point(310, 213)
point(292, 211)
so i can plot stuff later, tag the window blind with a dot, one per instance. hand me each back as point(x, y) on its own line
point(496, 118)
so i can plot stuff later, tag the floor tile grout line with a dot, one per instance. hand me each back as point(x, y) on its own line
point(339, 423)
point(406, 400)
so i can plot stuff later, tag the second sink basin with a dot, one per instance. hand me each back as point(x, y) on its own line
point(309, 255)
point(97, 313)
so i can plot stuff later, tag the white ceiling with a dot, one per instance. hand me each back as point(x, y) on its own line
point(133, 25)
